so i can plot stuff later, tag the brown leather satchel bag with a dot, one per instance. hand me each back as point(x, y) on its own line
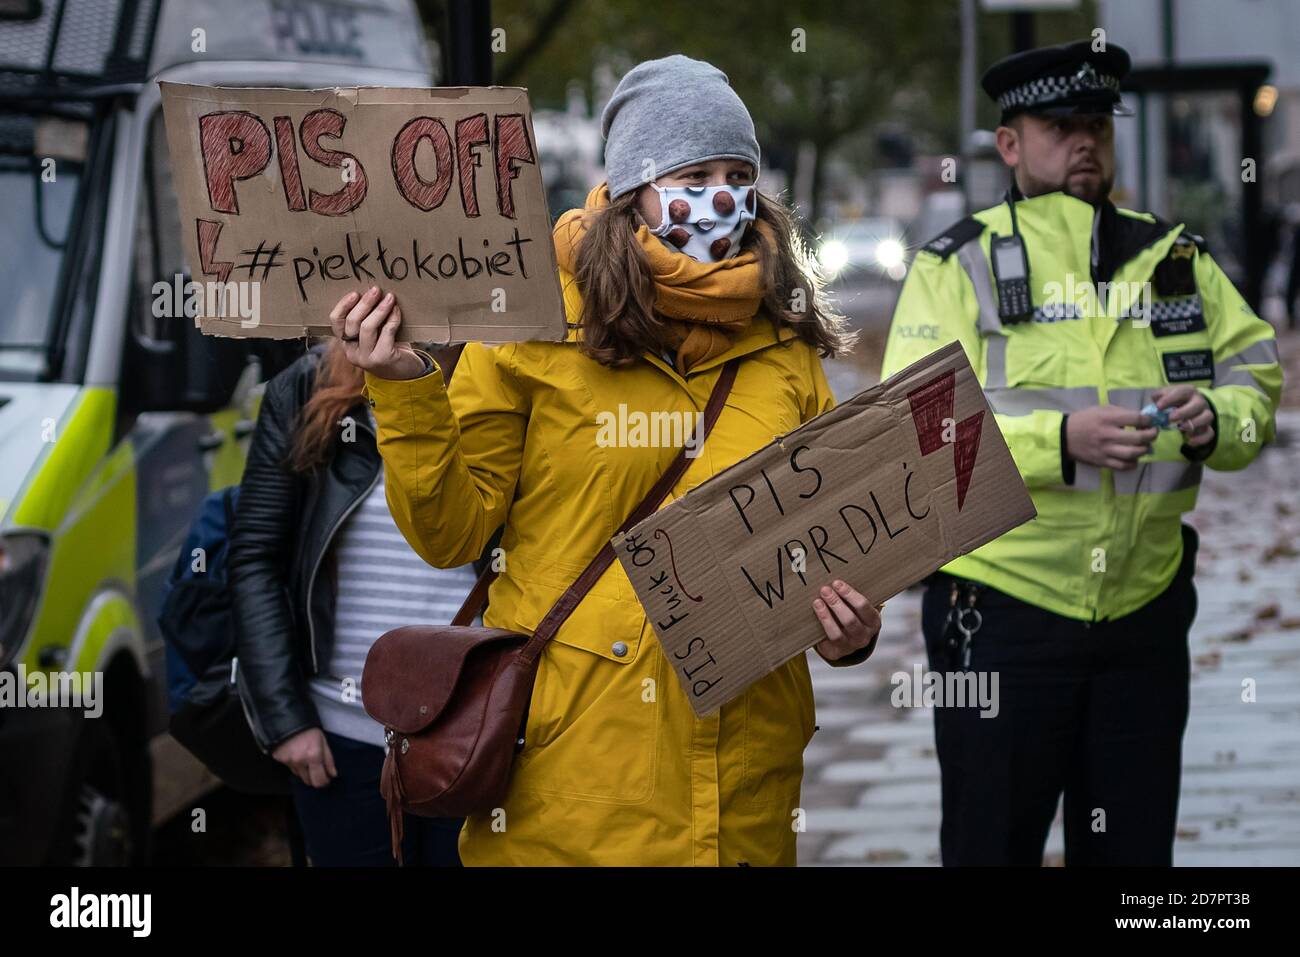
point(453, 699)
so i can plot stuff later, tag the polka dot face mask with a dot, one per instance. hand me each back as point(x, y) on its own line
point(705, 222)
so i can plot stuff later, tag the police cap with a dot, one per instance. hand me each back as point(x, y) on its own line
point(1069, 78)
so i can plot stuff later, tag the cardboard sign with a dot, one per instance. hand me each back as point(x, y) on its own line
point(879, 492)
point(291, 198)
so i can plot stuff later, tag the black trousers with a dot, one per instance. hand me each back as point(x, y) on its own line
point(1095, 711)
point(345, 823)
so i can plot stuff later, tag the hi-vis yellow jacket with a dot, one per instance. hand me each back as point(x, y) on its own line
point(1107, 542)
point(616, 768)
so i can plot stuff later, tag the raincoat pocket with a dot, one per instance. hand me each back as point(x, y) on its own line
point(593, 725)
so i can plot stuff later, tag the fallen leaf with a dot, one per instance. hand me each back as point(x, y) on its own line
point(1209, 661)
point(1282, 549)
point(886, 856)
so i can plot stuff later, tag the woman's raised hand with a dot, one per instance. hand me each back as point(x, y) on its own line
point(366, 324)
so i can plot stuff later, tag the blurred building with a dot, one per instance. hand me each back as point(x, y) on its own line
point(1216, 141)
point(571, 150)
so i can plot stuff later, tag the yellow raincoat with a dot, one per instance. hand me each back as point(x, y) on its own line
point(617, 769)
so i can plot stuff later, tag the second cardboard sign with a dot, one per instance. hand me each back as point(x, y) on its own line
point(879, 492)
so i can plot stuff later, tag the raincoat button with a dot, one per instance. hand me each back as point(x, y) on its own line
point(406, 745)
point(619, 649)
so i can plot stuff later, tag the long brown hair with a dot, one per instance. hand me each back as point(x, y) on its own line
point(337, 388)
point(618, 292)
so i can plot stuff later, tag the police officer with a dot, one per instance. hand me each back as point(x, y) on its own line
point(1076, 316)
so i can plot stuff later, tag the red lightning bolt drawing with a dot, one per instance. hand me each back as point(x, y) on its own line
point(209, 230)
point(932, 405)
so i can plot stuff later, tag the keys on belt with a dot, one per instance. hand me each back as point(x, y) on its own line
point(963, 620)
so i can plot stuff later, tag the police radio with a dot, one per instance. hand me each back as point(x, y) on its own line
point(1011, 271)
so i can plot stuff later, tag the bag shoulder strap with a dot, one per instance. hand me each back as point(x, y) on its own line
point(567, 602)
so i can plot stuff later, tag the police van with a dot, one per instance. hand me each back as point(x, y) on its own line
point(116, 416)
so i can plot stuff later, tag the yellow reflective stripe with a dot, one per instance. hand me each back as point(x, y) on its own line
point(1020, 401)
point(1132, 398)
point(1087, 478)
point(995, 362)
point(1229, 371)
point(1238, 377)
point(1263, 352)
point(1152, 477)
point(972, 258)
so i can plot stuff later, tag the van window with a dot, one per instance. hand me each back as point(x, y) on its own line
point(159, 253)
point(169, 364)
point(42, 166)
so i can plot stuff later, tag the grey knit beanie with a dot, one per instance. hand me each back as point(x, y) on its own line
point(672, 112)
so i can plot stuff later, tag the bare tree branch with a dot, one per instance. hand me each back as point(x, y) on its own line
point(550, 22)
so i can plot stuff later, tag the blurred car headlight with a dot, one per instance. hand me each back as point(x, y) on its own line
point(889, 254)
point(23, 559)
point(833, 256)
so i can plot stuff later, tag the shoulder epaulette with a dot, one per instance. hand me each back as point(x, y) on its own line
point(954, 237)
point(1184, 239)
point(1175, 275)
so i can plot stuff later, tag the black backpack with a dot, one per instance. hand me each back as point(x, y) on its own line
point(197, 624)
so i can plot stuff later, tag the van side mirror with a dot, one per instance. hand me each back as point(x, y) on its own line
point(169, 365)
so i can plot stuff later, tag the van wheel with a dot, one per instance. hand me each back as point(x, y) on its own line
point(103, 835)
point(97, 822)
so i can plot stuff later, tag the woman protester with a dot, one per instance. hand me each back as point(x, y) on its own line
point(666, 277)
point(318, 570)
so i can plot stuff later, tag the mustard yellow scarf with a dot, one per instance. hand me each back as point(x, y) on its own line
point(706, 304)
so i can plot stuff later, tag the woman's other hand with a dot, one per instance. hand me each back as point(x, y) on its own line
point(850, 621)
point(307, 755)
point(366, 324)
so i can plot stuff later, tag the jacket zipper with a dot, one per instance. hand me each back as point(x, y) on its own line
point(311, 580)
point(259, 733)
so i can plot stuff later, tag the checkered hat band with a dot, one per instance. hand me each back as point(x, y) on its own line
point(1049, 89)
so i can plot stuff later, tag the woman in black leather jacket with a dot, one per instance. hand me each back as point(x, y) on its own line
point(318, 570)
